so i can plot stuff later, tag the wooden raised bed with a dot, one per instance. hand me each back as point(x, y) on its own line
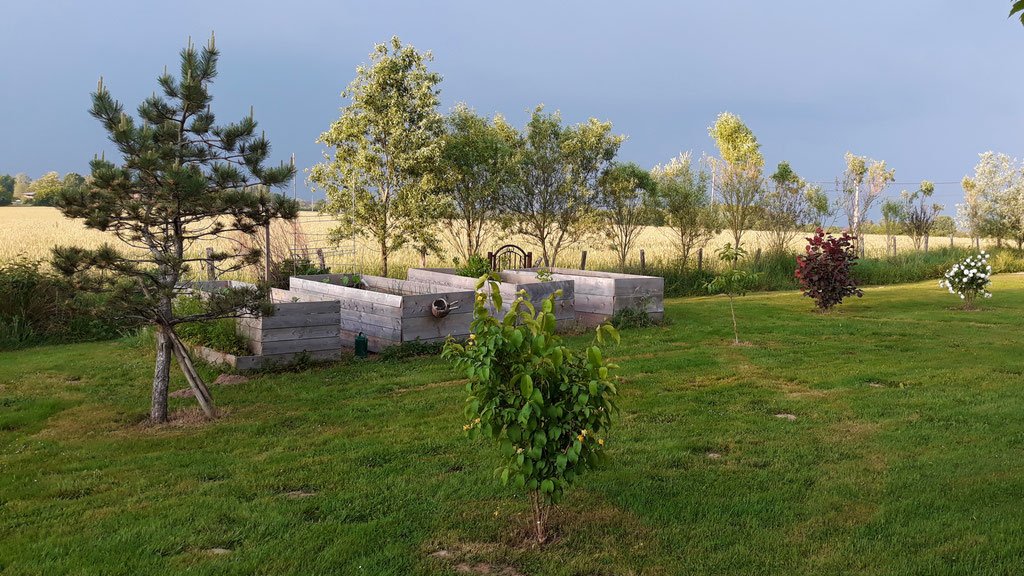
point(300, 327)
point(599, 295)
point(511, 284)
point(390, 311)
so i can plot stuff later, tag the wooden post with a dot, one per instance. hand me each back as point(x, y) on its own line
point(643, 261)
point(926, 243)
point(490, 260)
point(583, 260)
point(700, 259)
point(951, 239)
point(320, 257)
point(757, 255)
point(211, 271)
point(529, 259)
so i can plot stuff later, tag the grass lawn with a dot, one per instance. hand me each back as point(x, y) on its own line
point(906, 455)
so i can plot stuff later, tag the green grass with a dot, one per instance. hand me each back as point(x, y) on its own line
point(906, 456)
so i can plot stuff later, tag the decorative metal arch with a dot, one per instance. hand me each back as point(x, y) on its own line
point(509, 256)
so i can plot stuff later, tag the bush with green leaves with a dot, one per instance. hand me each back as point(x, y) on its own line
point(475, 266)
point(299, 266)
point(546, 405)
point(734, 282)
point(219, 334)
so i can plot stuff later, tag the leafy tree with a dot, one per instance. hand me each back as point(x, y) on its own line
point(863, 183)
point(738, 173)
point(892, 218)
point(386, 139)
point(6, 189)
point(475, 165)
point(552, 197)
point(990, 205)
point(626, 201)
point(944, 225)
point(825, 269)
point(682, 193)
point(545, 404)
point(185, 181)
point(918, 217)
point(733, 282)
point(791, 205)
point(46, 189)
point(1017, 9)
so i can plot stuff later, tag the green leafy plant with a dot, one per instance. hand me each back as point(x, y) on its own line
point(218, 334)
point(289, 267)
point(544, 275)
point(632, 317)
point(734, 282)
point(411, 349)
point(475, 266)
point(546, 405)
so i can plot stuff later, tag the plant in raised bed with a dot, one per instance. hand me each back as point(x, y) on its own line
point(969, 279)
point(546, 405)
point(475, 266)
point(825, 269)
point(734, 282)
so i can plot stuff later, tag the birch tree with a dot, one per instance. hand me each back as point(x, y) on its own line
point(991, 197)
point(738, 173)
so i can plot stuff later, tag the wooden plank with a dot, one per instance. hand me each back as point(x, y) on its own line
point(361, 306)
point(297, 333)
point(303, 308)
point(427, 327)
point(306, 344)
point(343, 292)
point(298, 321)
point(371, 319)
point(374, 344)
point(385, 332)
point(420, 305)
point(594, 304)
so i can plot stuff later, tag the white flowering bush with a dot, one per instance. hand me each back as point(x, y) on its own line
point(969, 279)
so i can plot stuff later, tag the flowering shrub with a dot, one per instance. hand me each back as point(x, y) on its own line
point(825, 269)
point(969, 279)
point(547, 406)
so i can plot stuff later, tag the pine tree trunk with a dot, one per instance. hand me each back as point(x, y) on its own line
point(161, 377)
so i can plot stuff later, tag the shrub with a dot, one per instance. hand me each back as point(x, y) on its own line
point(39, 306)
point(411, 349)
point(631, 317)
point(825, 269)
point(734, 282)
point(546, 405)
point(289, 267)
point(969, 279)
point(475, 266)
point(219, 335)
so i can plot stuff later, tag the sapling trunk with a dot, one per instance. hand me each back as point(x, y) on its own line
point(161, 377)
point(735, 330)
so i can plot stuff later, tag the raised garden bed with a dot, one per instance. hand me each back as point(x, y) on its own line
point(599, 295)
point(390, 311)
point(300, 327)
point(511, 284)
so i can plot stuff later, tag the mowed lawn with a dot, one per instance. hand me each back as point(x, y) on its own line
point(906, 455)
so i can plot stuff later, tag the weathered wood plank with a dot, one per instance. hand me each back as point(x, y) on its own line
point(305, 344)
point(298, 321)
point(374, 344)
point(428, 327)
point(295, 333)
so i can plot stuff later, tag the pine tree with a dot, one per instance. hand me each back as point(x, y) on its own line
point(184, 182)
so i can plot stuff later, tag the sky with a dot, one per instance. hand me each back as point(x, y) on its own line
point(925, 85)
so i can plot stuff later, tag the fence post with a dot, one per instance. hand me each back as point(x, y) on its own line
point(583, 260)
point(490, 260)
point(643, 261)
point(757, 255)
point(320, 257)
point(951, 239)
point(211, 270)
point(700, 259)
point(926, 243)
point(529, 259)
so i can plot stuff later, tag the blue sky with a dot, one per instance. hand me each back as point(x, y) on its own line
point(924, 85)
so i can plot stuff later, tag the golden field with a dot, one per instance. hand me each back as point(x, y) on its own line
point(31, 231)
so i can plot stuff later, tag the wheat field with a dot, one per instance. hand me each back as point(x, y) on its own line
point(30, 232)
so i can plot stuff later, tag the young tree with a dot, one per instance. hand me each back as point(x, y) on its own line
point(917, 216)
point(474, 167)
point(863, 183)
point(733, 282)
point(6, 189)
point(626, 205)
point(989, 196)
point(385, 141)
point(681, 191)
point(184, 182)
point(553, 196)
point(738, 173)
point(892, 218)
point(21, 185)
point(791, 205)
point(825, 269)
